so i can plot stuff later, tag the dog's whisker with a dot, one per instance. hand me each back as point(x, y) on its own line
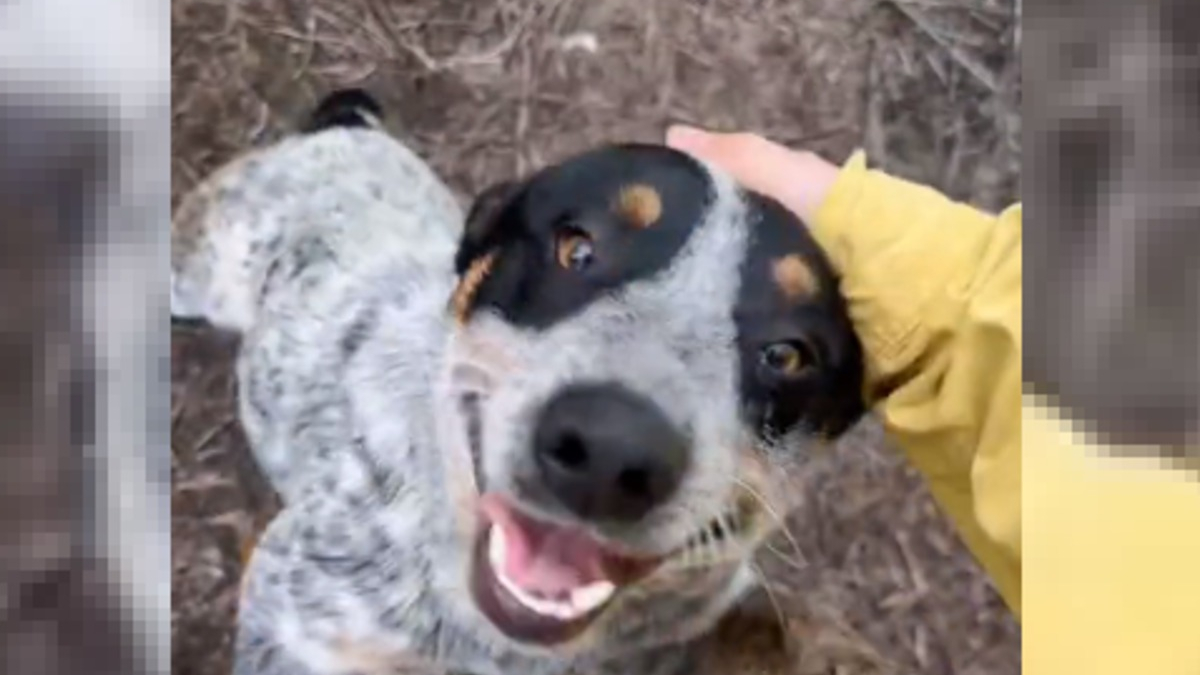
point(797, 562)
point(780, 521)
point(766, 586)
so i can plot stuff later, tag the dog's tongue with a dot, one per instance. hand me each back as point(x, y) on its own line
point(543, 559)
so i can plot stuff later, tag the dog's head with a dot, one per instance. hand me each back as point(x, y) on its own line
point(644, 354)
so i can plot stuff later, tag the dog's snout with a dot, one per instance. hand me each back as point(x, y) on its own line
point(607, 453)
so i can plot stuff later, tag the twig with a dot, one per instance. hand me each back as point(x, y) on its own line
point(177, 412)
point(373, 30)
point(818, 135)
point(416, 51)
point(346, 74)
point(777, 606)
point(972, 6)
point(191, 176)
point(492, 55)
point(921, 646)
point(915, 572)
point(968, 62)
point(702, 61)
point(211, 434)
point(311, 39)
point(311, 48)
point(255, 134)
point(523, 111)
point(203, 483)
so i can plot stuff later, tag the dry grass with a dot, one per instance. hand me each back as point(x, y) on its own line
point(875, 581)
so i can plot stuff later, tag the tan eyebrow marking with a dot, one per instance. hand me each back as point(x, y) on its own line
point(640, 204)
point(464, 293)
point(795, 278)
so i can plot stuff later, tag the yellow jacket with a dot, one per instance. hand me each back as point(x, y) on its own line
point(1110, 550)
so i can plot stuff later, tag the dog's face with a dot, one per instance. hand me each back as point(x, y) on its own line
point(644, 355)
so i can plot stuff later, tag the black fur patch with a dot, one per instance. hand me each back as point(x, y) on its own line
point(522, 224)
point(351, 108)
point(826, 398)
point(357, 333)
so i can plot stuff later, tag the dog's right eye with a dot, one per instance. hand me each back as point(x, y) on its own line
point(574, 250)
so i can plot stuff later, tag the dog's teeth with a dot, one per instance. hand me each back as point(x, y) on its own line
point(565, 611)
point(592, 596)
point(581, 601)
point(497, 551)
point(562, 611)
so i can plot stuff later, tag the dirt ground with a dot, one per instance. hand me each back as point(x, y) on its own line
point(876, 581)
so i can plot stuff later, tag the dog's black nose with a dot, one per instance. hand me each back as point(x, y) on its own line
point(608, 453)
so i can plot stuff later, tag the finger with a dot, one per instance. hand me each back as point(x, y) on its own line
point(798, 180)
point(746, 157)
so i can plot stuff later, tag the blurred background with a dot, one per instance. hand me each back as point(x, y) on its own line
point(875, 580)
point(84, 472)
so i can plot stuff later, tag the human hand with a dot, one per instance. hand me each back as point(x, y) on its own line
point(799, 180)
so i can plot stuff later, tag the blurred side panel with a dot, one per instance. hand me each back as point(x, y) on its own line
point(1112, 190)
point(84, 470)
point(1111, 453)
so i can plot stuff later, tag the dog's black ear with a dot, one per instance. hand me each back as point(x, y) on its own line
point(353, 108)
point(484, 221)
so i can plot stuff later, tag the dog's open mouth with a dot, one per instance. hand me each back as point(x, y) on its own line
point(538, 582)
point(544, 583)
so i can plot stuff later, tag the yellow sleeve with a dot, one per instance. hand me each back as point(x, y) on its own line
point(1112, 555)
point(934, 289)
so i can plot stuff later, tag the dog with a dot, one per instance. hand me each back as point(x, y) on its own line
point(542, 436)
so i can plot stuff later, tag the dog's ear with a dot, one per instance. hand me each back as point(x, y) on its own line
point(484, 220)
point(483, 233)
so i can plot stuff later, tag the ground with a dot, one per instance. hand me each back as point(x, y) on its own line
point(875, 580)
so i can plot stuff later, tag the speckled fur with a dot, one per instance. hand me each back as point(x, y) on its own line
point(331, 254)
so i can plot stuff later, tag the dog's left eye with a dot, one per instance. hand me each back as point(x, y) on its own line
point(788, 359)
point(574, 250)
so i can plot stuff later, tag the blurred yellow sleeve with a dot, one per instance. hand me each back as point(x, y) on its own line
point(934, 289)
point(1112, 556)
